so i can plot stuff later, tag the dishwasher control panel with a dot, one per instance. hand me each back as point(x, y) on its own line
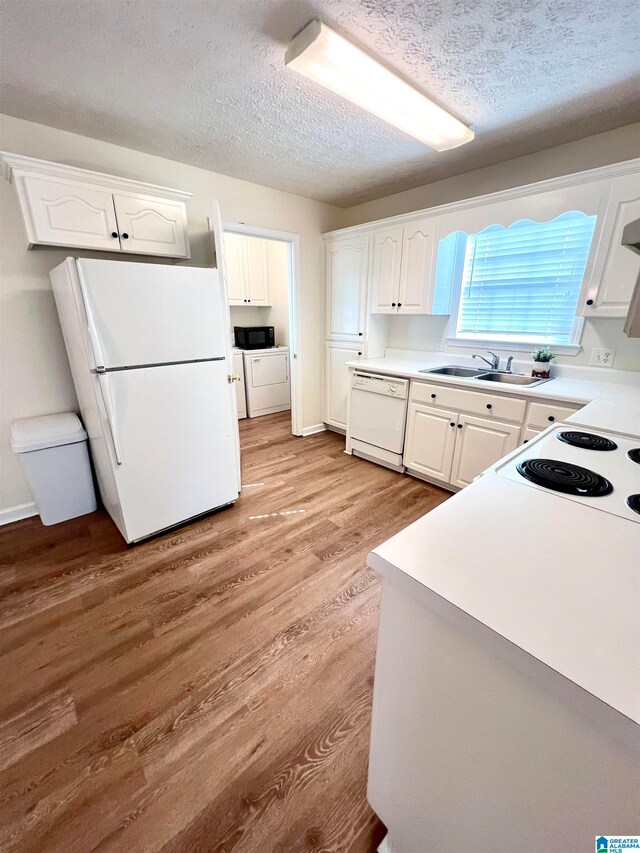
point(386, 385)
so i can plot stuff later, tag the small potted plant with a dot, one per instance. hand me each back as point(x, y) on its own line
point(541, 362)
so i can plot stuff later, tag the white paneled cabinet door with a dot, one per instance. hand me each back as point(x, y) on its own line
point(431, 437)
point(257, 265)
point(69, 213)
point(480, 443)
point(346, 264)
point(337, 381)
point(416, 279)
point(615, 272)
point(149, 226)
point(235, 268)
point(385, 272)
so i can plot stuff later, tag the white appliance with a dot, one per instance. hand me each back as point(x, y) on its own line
point(597, 470)
point(266, 374)
point(377, 418)
point(241, 391)
point(148, 348)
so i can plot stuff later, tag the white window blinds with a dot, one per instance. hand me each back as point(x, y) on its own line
point(522, 283)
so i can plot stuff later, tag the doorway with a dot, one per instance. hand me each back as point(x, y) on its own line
point(280, 309)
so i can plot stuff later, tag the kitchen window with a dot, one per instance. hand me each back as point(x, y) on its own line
point(518, 285)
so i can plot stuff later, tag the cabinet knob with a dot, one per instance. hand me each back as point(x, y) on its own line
point(359, 353)
point(551, 418)
point(248, 300)
point(360, 333)
point(393, 304)
point(459, 426)
point(433, 396)
point(399, 304)
point(453, 423)
point(114, 233)
point(125, 236)
point(489, 406)
point(589, 301)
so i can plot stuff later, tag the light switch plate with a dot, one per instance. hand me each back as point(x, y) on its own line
point(602, 357)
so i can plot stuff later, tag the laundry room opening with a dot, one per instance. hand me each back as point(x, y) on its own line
point(262, 282)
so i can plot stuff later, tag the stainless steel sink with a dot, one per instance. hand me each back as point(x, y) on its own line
point(512, 378)
point(452, 370)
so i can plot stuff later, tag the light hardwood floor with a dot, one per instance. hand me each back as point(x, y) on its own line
point(209, 690)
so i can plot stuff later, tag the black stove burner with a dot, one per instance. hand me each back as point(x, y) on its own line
point(587, 440)
point(634, 454)
point(564, 477)
point(633, 502)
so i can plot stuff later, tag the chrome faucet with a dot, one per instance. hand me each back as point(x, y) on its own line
point(509, 363)
point(494, 364)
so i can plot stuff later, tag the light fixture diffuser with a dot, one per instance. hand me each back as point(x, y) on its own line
point(329, 59)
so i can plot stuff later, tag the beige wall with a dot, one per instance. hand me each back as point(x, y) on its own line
point(422, 333)
point(34, 372)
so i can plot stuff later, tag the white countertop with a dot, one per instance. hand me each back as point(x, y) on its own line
point(574, 385)
point(559, 580)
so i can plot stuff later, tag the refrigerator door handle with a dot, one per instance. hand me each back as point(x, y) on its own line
point(103, 380)
point(91, 326)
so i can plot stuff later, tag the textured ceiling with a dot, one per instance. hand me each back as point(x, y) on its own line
point(204, 82)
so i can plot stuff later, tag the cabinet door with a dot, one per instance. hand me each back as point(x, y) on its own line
point(69, 213)
point(257, 265)
point(529, 433)
point(235, 266)
point(150, 226)
point(616, 267)
point(385, 270)
point(337, 381)
point(480, 443)
point(346, 263)
point(431, 437)
point(416, 279)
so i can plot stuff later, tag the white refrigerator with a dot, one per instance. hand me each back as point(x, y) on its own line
point(149, 354)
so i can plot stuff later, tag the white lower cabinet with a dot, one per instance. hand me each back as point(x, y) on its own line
point(337, 380)
point(430, 442)
point(529, 433)
point(479, 443)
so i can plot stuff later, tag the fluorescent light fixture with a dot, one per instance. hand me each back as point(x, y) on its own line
point(325, 57)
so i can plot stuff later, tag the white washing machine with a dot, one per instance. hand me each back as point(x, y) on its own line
point(267, 381)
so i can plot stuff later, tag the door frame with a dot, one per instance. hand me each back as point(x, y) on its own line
point(295, 367)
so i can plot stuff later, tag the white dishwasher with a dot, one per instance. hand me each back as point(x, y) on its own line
point(377, 418)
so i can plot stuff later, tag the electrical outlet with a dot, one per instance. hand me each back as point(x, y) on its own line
point(602, 357)
point(439, 344)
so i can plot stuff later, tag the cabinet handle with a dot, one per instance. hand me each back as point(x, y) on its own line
point(453, 423)
point(589, 301)
point(125, 236)
point(489, 406)
point(114, 234)
point(551, 418)
point(399, 304)
point(433, 396)
point(360, 333)
point(248, 300)
point(359, 353)
point(459, 426)
point(393, 304)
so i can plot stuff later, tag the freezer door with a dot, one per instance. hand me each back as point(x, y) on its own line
point(151, 313)
point(170, 431)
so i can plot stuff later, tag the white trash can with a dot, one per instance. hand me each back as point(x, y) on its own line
point(54, 456)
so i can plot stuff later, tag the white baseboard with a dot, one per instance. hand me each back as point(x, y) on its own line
point(313, 429)
point(15, 513)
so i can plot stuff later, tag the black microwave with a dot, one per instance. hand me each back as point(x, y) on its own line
point(254, 337)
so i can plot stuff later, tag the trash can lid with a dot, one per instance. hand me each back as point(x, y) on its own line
point(29, 434)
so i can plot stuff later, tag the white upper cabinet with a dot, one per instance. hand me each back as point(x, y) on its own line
point(247, 269)
point(69, 213)
point(608, 290)
point(385, 270)
point(150, 226)
point(346, 263)
point(65, 206)
point(402, 275)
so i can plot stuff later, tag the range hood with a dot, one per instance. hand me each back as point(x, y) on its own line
point(631, 236)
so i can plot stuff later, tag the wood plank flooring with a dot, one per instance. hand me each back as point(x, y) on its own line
point(209, 690)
